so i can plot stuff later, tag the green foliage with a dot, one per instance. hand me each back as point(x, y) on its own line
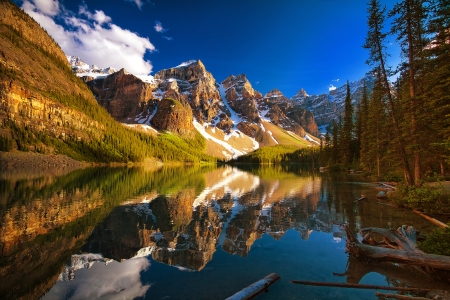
point(6, 144)
point(268, 155)
point(429, 199)
point(437, 242)
point(281, 154)
point(347, 132)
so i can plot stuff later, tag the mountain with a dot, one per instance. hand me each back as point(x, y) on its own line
point(81, 68)
point(230, 115)
point(328, 107)
point(46, 108)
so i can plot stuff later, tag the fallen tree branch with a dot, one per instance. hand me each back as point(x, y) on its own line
point(400, 256)
point(432, 220)
point(406, 251)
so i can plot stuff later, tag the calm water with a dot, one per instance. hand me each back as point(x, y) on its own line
point(189, 233)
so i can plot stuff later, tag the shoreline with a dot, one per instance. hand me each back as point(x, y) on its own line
point(26, 164)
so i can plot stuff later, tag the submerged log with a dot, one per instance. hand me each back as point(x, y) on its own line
point(256, 288)
point(397, 246)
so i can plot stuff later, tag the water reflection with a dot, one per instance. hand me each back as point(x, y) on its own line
point(66, 229)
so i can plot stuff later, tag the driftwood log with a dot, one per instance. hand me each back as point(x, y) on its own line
point(256, 288)
point(397, 246)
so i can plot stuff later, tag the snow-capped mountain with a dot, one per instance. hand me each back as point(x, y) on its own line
point(80, 68)
point(234, 118)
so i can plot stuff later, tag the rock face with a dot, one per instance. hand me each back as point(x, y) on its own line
point(328, 107)
point(287, 114)
point(124, 95)
point(241, 97)
point(31, 110)
point(191, 83)
point(173, 116)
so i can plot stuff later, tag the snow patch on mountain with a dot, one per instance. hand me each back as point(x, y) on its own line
point(186, 63)
point(234, 116)
point(234, 152)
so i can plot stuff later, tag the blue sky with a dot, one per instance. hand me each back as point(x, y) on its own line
point(289, 44)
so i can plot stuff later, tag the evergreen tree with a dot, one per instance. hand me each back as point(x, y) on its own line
point(335, 142)
point(361, 124)
point(347, 129)
point(408, 24)
point(377, 58)
point(437, 81)
point(376, 129)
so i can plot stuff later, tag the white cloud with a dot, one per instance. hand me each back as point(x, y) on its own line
point(94, 38)
point(99, 15)
point(47, 7)
point(112, 281)
point(158, 27)
point(139, 3)
point(331, 87)
point(335, 80)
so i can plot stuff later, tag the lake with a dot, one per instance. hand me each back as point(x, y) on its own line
point(198, 232)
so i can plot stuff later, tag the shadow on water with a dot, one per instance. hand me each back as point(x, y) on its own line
point(184, 233)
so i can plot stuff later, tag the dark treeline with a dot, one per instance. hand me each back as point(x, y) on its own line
point(402, 127)
point(280, 154)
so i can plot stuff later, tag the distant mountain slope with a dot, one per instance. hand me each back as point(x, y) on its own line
point(46, 108)
point(328, 107)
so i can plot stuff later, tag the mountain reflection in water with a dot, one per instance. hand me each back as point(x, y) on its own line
point(65, 229)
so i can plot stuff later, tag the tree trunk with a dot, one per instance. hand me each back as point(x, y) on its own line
point(398, 246)
point(412, 95)
point(406, 168)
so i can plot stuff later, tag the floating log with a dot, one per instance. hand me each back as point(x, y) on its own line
point(256, 288)
point(362, 286)
point(432, 220)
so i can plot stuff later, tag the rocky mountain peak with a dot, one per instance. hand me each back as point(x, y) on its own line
point(300, 96)
point(241, 96)
point(189, 71)
point(275, 96)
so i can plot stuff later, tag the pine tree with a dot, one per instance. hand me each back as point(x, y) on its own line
point(376, 128)
point(361, 124)
point(437, 81)
point(335, 150)
point(408, 24)
point(347, 129)
point(377, 58)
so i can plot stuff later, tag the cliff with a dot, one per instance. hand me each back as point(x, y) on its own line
point(122, 94)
